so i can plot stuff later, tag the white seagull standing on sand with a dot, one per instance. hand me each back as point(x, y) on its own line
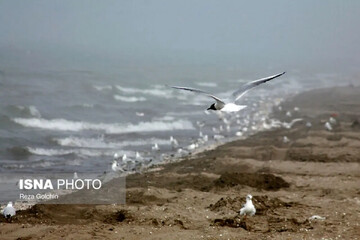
point(229, 105)
point(286, 139)
point(192, 146)
point(115, 167)
point(332, 120)
point(116, 156)
point(138, 157)
point(174, 143)
point(249, 208)
point(328, 126)
point(155, 147)
point(9, 211)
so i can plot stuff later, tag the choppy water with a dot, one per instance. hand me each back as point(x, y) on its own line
point(76, 120)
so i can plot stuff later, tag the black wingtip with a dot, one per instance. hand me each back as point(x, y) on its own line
point(280, 74)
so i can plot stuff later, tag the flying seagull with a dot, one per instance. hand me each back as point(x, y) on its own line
point(229, 105)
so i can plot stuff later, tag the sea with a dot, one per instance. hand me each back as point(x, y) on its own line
point(76, 120)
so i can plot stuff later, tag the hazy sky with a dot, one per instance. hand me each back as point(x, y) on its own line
point(289, 32)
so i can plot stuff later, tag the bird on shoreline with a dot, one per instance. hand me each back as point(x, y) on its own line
point(116, 156)
point(173, 142)
point(155, 147)
point(138, 157)
point(115, 167)
point(249, 208)
point(328, 126)
point(229, 105)
point(286, 139)
point(332, 121)
point(192, 146)
point(9, 211)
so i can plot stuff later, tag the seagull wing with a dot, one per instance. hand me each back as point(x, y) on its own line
point(246, 87)
point(200, 91)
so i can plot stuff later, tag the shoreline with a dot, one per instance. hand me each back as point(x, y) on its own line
point(173, 157)
point(198, 197)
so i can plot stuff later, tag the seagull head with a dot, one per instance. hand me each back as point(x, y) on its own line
point(212, 107)
point(10, 204)
point(248, 197)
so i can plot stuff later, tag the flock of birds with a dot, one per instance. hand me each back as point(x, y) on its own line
point(137, 163)
point(126, 164)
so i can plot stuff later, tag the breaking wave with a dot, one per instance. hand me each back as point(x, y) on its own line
point(23, 111)
point(61, 152)
point(101, 143)
point(110, 128)
point(157, 91)
point(206, 84)
point(129, 99)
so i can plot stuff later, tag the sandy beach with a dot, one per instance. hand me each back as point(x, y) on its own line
point(316, 173)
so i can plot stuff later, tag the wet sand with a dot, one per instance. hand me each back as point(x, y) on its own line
point(316, 173)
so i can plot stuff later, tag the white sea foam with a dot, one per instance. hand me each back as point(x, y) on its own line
point(34, 111)
point(206, 84)
point(49, 152)
point(21, 108)
point(60, 152)
point(156, 91)
point(103, 87)
point(111, 128)
point(101, 143)
point(164, 118)
point(129, 99)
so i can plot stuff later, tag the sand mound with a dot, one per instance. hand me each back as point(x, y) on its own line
point(256, 180)
point(119, 216)
point(65, 214)
point(263, 204)
point(317, 154)
point(264, 224)
point(139, 197)
point(355, 125)
point(266, 219)
point(175, 182)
